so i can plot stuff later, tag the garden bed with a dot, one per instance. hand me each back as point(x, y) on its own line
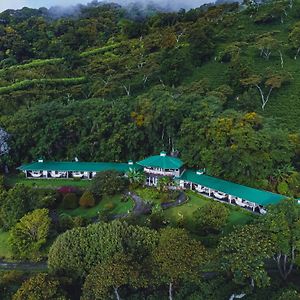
point(112, 204)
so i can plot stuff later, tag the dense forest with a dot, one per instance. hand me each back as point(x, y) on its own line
point(102, 82)
point(217, 83)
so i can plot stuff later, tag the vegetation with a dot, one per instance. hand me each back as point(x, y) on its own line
point(87, 200)
point(212, 216)
point(218, 83)
point(111, 204)
point(70, 201)
point(108, 183)
point(40, 287)
point(30, 234)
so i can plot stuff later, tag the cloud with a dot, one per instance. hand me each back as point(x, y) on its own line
point(16, 4)
point(175, 4)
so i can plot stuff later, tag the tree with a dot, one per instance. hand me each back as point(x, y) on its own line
point(109, 276)
point(70, 201)
point(266, 45)
point(30, 234)
point(282, 224)
point(177, 257)
point(108, 183)
point(76, 251)
point(164, 183)
point(4, 136)
point(243, 253)
point(87, 200)
point(40, 287)
point(294, 37)
point(136, 178)
point(271, 82)
point(14, 204)
point(288, 294)
point(211, 217)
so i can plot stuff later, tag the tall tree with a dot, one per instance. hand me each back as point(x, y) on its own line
point(270, 82)
point(14, 204)
point(76, 251)
point(30, 234)
point(109, 276)
point(282, 224)
point(178, 257)
point(40, 287)
point(243, 253)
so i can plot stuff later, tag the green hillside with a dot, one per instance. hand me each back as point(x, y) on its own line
point(110, 85)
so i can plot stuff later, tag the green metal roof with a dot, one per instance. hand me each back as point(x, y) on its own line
point(253, 195)
point(161, 161)
point(78, 166)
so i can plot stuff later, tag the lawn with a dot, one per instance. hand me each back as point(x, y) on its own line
point(111, 203)
point(5, 251)
point(154, 196)
point(175, 215)
point(238, 216)
point(46, 183)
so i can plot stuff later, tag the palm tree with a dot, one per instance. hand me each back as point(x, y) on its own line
point(283, 173)
point(136, 178)
point(164, 183)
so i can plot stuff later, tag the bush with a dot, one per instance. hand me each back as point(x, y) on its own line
point(110, 206)
point(283, 188)
point(70, 201)
point(46, 198)
point(87, 200)
point(125, 198)
point(67, 189)
point(108, 183)
point(66, 222)
point(211, 217)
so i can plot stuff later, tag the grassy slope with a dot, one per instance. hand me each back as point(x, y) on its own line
point(284, 104)
point(237, 216)
point(119, 207)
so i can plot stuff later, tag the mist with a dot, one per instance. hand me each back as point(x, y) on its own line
point(167, 4)
point(70, 5)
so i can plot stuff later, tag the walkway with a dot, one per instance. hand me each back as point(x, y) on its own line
point(28, 266)
point(180, 200)
point(140, 207)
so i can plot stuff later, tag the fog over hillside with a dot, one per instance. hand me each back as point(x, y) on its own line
point(167, 4)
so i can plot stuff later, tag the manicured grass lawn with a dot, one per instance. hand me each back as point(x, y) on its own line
point(46, 183)
point(113, 202)
point(5, 251)
point(237, 215)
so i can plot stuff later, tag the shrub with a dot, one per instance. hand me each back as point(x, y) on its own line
point(87, 200)
point(108, 183)
point(211, 217)
point(283, 188)
point(110, 206)
point(70, 201)
point(125, 198)
point(67, 189)
point(66, 222)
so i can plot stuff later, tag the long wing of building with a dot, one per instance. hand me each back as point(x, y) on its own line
point(155, 167)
